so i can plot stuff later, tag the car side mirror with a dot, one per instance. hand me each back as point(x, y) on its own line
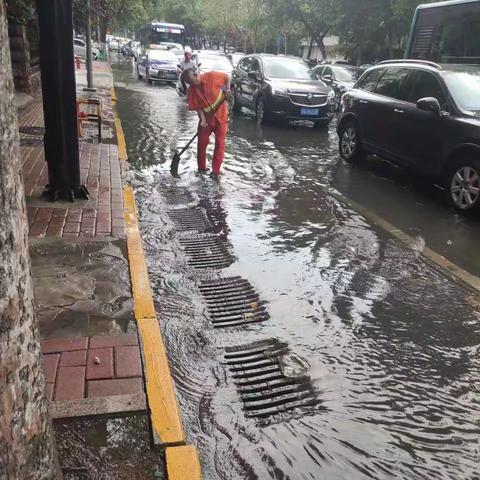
point(328, 79)
point(254, 75)
point(429, 104)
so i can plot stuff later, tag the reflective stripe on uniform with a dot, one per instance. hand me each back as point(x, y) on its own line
point(216, 103)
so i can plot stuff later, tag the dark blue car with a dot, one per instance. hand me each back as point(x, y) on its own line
point(158, 65)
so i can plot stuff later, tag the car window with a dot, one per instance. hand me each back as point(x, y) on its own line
point(318, 71)
point(369, 80)
point(255, 66)
point(162, 55)
point(244, 64)
point(327, 71)
point(425, 84)
point(287, 67)
point(79, 43)
point(464, 86)
point(392, 83)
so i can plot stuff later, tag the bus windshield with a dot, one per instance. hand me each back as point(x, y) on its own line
point(446, 33)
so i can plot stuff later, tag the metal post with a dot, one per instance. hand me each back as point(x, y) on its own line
point(59, 100)
point(89, 51)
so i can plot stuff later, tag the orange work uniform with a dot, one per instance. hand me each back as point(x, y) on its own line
point(208, 96)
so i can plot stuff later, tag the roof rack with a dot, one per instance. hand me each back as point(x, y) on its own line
point(407, 60)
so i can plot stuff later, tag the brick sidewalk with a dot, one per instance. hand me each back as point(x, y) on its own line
point(100, 171)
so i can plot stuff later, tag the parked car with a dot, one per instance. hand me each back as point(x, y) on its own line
point(208, 62)
point(281, 87)
point(80, 49)
point(158, 65)
point(113, 45)
point(420, 115)
point(341, 78)
point(235, 57)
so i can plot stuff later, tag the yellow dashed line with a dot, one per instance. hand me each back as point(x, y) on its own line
point(183, 463)
point(165, 415)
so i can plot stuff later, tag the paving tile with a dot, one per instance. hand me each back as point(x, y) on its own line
point(50, 365)
point(64, 345)
point(104, 341)
point(73, 359)
point(127, 362)
point(108, 388)
point(104, 367)
point(50, 388)
point(71, 227)
point(70, 383)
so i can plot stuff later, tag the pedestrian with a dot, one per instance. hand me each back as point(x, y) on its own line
point(209, 94)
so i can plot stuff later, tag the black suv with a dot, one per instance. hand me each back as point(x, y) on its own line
point(423, 116)
point(281, 87)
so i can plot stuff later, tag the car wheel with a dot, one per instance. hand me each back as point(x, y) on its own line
point(350, 144)
point(261, 111)
point(234, 106)
point(147, 75)
point(464, 185)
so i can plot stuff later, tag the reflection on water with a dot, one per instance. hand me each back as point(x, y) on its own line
point(390, 345)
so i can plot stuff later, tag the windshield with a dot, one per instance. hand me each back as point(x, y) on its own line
point(215, 62)
point(161, 55)
point(465, 88)
point(288, 68)
point(345, 74)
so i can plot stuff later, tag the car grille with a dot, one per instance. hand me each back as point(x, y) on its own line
point(309, 99)
point(167, 74)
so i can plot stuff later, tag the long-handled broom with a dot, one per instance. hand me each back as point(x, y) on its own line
point(177, 155)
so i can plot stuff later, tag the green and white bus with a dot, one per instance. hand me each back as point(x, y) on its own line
point(446, 32)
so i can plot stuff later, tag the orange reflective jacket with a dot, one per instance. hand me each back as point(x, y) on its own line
point(209, 95)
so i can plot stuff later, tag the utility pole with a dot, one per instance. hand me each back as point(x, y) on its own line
point(59, 100)
point(89, 51)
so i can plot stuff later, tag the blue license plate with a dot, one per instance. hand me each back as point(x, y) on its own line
point(312, 112)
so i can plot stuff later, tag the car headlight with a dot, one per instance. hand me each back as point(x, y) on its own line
point(331, 97)
point(279, 92)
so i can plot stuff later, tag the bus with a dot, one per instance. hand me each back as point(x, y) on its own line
point(161, 33)
point(446, 32)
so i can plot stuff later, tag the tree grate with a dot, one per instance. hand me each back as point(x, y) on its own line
point(233, 302)
point(190, 220)
point(207, 251)
point(263, 387)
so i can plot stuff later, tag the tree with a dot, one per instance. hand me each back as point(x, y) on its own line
point(27, 449)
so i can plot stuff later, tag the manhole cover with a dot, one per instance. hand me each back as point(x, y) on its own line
point(232, 302)
point(207, 251)
point(264, 388)
point(190, 219)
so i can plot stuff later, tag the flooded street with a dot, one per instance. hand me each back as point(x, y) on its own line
point(383, 348)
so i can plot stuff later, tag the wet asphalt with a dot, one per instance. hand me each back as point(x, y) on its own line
point(387, 344)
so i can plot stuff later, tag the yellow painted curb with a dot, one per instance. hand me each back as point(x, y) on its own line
point(114, 95)
point(183, 463)
point(165, 414)
point(122, 146)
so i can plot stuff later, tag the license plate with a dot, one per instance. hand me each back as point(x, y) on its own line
point(309, 111)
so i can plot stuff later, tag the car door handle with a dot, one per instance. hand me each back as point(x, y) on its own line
point(363, 101)
point(397, 110)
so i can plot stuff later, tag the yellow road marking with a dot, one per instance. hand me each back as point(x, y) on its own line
point(165, 414)
point(183, 463)
point(448, 268)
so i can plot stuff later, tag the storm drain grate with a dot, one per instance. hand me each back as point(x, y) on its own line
point(264, 388)
point(190, 219)
point(31, 135)
point(232, 302)
point(177, 197)
point(207, 251)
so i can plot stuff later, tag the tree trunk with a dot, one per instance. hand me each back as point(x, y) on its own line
point(310, 48)
point(27, 449)
point(321, 46)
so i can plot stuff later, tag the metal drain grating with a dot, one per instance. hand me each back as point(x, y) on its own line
point(31, 136)
point(207, 251)
point(192, 219)
point(264, 388)
point(177, 197)
point(232, 302)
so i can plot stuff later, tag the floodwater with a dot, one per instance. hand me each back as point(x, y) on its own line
point(390, 346)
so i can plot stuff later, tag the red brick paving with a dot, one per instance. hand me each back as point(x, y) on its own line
point(92, 367)
point(100, 172)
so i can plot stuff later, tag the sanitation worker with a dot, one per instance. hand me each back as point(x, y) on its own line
point(208, 95)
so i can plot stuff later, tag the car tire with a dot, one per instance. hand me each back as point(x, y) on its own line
point(147, 76)
point(234, 106)
point(261, 111)
point(462, 185)
point(350, 144)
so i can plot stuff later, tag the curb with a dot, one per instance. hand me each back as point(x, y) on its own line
point(121, 143)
